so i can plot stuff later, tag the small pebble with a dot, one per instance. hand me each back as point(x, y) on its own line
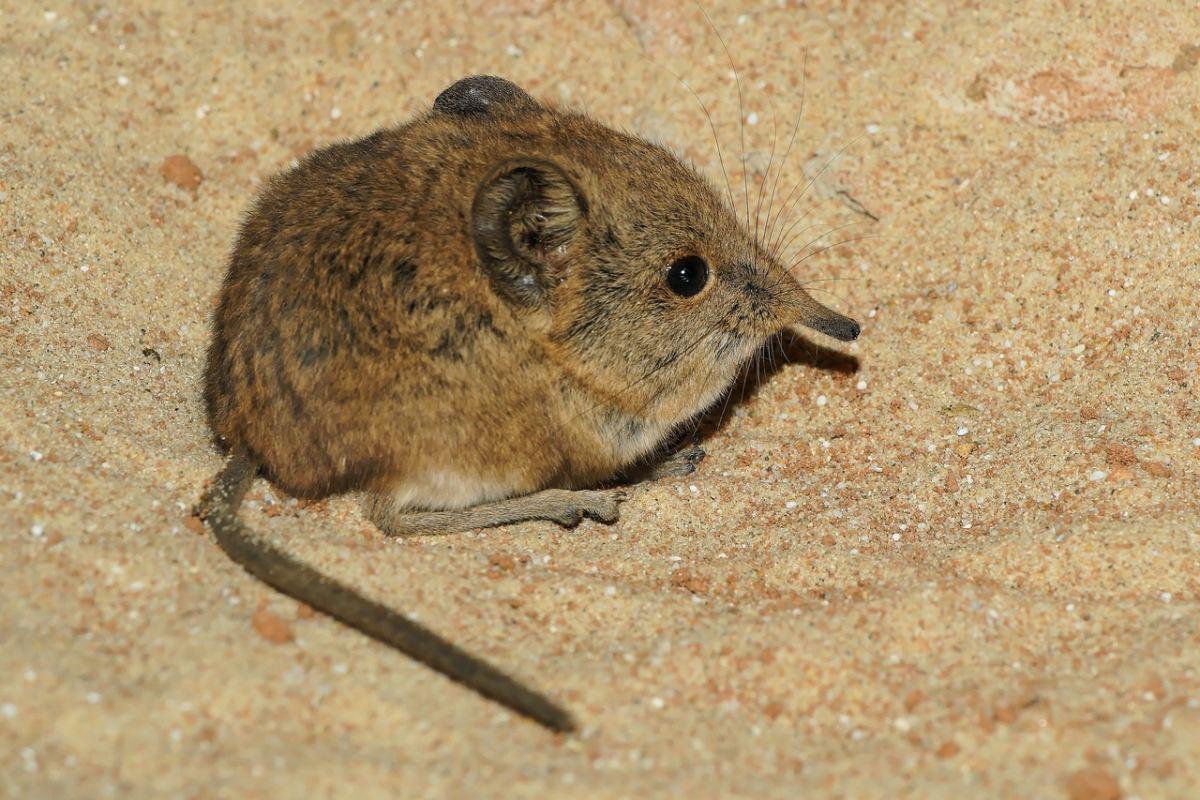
point(272, 627)
point(181, 171)
point(1098, 475)
point(1093, 783)
point(822, 399)
point(8, 710)
point(342, 37)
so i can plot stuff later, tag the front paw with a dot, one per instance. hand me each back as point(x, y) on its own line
point(680, 464)
point(601, 505)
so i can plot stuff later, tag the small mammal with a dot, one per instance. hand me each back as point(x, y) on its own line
point(477, 318)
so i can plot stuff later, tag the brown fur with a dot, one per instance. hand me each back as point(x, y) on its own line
point(359, 342)
point(468, 317)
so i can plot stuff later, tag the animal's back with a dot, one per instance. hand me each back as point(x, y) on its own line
point(350, 324)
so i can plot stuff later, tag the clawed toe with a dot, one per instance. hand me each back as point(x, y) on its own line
point(602, 506)
point(682, 463)
point(608, 506)
point(569, 518)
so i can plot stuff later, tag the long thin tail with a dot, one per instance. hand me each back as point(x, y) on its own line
point(284, 573)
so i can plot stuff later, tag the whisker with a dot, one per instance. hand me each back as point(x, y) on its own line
point(741, 108)
point(778, 251)
point(810, 281)
point(787, 245)
point(777, 282)
point(820, 172)
point(641, 52)
point(841, 298)
point(699, 418)
point(830, 247)
point(744, 375)
point(646, 376)
point(762, 185)
point(711, 127)
point(791, 141)
point(830, 232)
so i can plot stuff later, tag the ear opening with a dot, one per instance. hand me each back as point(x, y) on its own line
point(524, 216)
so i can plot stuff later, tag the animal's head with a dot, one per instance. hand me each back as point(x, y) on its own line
point(650, 288)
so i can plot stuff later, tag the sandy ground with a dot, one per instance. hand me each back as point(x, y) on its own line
point(958, 559)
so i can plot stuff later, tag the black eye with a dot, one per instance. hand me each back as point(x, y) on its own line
point(687, 276)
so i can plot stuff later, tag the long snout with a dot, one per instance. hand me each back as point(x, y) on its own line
point(802, 309)
point(827, 321)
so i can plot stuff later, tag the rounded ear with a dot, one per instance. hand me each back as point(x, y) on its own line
point(526, 213)
point(480, 95)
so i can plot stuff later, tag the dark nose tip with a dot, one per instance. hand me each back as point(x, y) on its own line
point(839, 327)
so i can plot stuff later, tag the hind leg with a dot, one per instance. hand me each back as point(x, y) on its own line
point(564, 506)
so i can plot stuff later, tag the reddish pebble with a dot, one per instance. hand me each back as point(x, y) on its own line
point(949, 749)
point(272, 627)
point(683, 579)
point(194, 525)
point(98, 342)
point(1093, 783)
point(1119, 455)
point(181, 171)
point(1156, 469)
point(501, 562)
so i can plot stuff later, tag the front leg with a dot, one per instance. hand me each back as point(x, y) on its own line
point(564, 506)
point(679, 464)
